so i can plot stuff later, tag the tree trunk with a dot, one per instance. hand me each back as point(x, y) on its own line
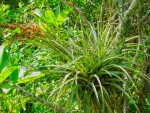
point(124, 24)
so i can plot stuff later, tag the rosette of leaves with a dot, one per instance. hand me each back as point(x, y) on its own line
point(93, 77)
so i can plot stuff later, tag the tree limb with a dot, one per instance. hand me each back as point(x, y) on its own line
point(124, 24)
point(30, 95)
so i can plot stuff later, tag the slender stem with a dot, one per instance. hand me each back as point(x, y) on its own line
point(30, 95)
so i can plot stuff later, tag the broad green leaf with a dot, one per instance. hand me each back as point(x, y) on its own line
point(62, 16)
point(4, 59)
point(17, 30)
point(6, 7)
point(50, 17)
point(6, 87)
point(33, 76)
point(14, 75)
point(21, 4)
point(57, 12)
point(7, 72)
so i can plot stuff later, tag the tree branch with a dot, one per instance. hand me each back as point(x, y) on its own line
point(124, 24)
point(51, 105)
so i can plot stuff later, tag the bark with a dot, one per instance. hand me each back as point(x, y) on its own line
point(124, 25)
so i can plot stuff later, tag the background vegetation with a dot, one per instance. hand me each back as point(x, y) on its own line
point(89, 56)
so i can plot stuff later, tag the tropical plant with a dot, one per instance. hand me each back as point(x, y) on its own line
point(96, 57)
point(97, 74)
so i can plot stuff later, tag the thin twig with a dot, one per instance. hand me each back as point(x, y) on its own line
point(38, 99)
point(30, 95)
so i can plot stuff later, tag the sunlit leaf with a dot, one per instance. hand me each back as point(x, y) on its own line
point(50, 17)
point(57, 12)
point(31, 77)
point(62, 16)
point(17, 30)
point(15, 74)
point(5, 7)
point(7, 72)
point(4, 59)
point(6, 87)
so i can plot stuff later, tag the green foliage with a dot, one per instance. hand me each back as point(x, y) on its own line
point(3, 58)
point(89, 63)
point(3, 12)
point(7, 72)
point(31, 77)
point(14, 71)
point(15, 75)
point(74, 63)
point(49, 17)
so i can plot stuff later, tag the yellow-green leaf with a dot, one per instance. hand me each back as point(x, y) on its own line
point(4, 60)
point(7, 72)
point(62, 16)
point(50, 16)
point(34, 75)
